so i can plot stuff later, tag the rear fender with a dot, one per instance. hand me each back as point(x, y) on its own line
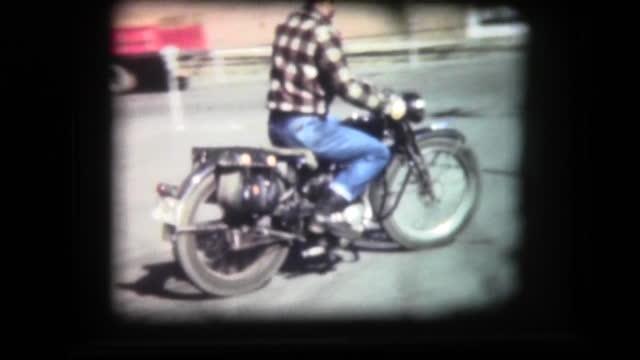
point(171, 207)
point(193, 179)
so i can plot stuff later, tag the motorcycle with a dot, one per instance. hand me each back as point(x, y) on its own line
point(241, 211)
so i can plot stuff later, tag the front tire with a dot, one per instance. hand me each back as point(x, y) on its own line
point(443, 232)
point(255, 272)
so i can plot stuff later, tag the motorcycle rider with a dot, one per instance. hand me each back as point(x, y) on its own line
point(308, 69)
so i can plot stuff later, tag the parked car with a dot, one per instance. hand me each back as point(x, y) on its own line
point(137, 63)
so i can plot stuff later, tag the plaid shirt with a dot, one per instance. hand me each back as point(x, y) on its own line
point(308, 68)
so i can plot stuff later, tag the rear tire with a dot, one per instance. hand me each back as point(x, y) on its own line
point(210, 281)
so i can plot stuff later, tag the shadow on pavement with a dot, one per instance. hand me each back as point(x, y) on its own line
point(457, 112)
point(167, 280)
point(295, 265)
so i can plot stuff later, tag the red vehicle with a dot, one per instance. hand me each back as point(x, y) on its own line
point(137, 61)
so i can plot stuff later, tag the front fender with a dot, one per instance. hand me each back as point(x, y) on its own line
point(427, 133)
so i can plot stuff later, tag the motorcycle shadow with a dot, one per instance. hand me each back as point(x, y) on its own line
point(296, 265)
point(167, 280)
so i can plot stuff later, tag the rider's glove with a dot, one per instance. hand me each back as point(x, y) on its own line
point(396, 107)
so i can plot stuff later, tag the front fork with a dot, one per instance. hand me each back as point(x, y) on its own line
point(424, 176)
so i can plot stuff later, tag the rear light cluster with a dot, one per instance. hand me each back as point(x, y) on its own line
point(165, 190)
point(246, 160)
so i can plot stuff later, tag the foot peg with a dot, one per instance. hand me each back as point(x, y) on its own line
point(333, 224)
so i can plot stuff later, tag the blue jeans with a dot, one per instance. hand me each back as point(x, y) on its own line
point(329, 139)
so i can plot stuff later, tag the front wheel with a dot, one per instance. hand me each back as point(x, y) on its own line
point(206, 258)
point(419, 221)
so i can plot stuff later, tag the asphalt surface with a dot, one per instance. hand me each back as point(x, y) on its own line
point(474, 272)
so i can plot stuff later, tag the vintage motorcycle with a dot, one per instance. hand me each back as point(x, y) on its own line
point(242, 210)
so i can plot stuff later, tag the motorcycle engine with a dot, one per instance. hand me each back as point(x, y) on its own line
point(252, 192)
point(316, 188)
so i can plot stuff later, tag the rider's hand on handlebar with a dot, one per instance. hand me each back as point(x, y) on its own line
point(396, 108)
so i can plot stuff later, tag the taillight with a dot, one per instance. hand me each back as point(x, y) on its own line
point(271, 161)
point(166, 190)
point(245, 159)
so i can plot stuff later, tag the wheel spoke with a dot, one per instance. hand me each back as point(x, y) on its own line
point(206, 256)
point(446, 166)
point(435, 157)
point(213, 249)
point(216, 253)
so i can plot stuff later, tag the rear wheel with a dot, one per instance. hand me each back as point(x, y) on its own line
point(206, 258)
point(419, 221)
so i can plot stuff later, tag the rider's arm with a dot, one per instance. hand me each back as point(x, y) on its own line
point(332, 61)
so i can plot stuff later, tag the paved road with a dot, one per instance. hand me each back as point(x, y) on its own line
point(474, 272)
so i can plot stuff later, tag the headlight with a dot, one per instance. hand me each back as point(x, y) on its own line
point(415, 106)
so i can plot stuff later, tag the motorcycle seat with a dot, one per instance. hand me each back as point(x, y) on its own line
point(307, 155)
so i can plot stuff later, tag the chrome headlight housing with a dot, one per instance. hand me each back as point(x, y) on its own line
point(415, 107)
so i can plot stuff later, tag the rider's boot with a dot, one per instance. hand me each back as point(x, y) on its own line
point(328, 217)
